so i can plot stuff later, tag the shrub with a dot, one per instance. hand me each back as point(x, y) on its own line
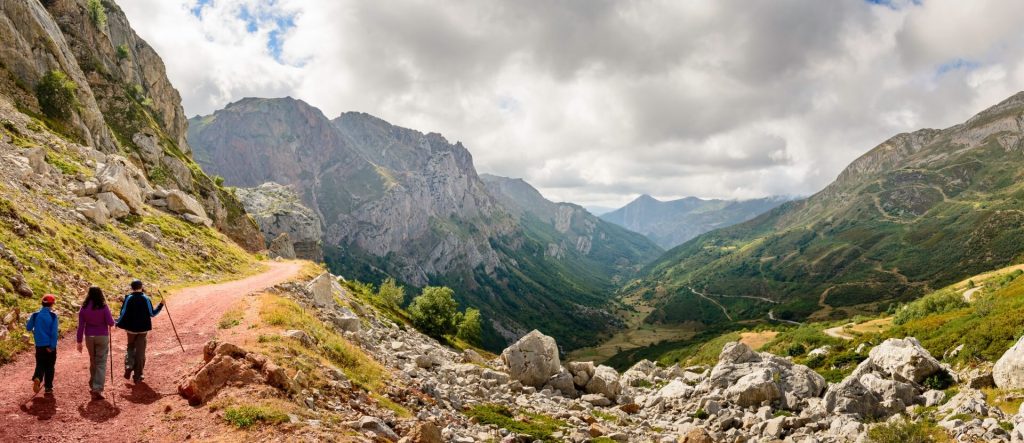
point(435, 312)
point(122, 52)
point(940, 381)
point(935, 303)
point(538, 426)
point(246, 416)
point(56, 95)
point(796, 350)
point(470, 328)
point(391, 294)
point(701, 414)
point(905, 432)
point(97, 13)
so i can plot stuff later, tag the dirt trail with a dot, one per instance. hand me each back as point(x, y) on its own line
point(130, 412)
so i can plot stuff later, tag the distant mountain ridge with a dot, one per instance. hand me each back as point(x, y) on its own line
point(397, 202)
point(672, 223)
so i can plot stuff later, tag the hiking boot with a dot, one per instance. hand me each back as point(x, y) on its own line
point(127, 373)
point(96, 395)
point(49, 392)
point(36, 385)
point(139, 379)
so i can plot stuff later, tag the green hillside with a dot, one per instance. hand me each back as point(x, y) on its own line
point(918, 212)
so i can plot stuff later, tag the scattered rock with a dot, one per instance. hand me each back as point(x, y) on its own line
point(322, 289)
point(183, 204)
point(116, 207)
point(605, 381)
point(1008, 373)
point(377, 427)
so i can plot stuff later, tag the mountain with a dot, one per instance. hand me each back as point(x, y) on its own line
point(672, 223)
point(570, 229)
point(917, 212)
point(396, 202)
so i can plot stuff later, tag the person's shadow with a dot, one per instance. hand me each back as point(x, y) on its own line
point(42, 408)
point(98, 411)
point(142, 394)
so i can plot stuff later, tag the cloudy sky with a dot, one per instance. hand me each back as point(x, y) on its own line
point(598, 101)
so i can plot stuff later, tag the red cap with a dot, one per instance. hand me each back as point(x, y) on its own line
point(49, 299)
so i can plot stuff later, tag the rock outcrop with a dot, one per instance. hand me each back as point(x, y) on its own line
point(229, 364)
point(280, 211)
point(1008, 372)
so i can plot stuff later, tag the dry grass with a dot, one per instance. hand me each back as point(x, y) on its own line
point(757, 340)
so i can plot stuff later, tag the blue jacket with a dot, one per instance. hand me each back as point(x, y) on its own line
point(43, 325)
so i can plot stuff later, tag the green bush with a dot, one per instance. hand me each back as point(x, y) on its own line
point(435, 312)
point(905, 432)
point(701, 414)
point(935, 303)
point(123, 52)
point(246, 416)
point(470, 328)
point(538, 426)
point(796, 350)
point(97, 13)
point(391, 294)
point(56, 95)
point(939, 381)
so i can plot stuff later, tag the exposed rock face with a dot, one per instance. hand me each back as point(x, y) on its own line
point(396, 202)
point(126, 103)
point(1008, 373)
point(904, 359)
point(533, 360)
point(282, 247)
point(279, 210)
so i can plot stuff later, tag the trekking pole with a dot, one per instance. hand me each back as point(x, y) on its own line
point(164, 299)
point(110, 356)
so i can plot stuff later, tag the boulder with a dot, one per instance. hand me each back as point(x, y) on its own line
point(149, 147)
point(532, 360)
point(696, 435)
point(96, 211)
point(322, 289)
point(197, 220)
point(562, 382)
point(282, 247)
point(122, 178)
point(471, 356)
point(870, 392)
point(968, 401)
point(377, 427)
point(597, 400)
point(754, 389)
point(1008, 373)
point(345, 320)
point(641, 374)
point(218, 371)
point(904, 359)
point(182, 203)
point(116, 207)
point(605, 381)
point(581, 372)
point(765, 377)
point(425, 432)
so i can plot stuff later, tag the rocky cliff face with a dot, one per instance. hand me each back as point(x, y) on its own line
point(672, 223)
point(126, 104)
point(396, 202)
point(918, 211)
point(279, 210)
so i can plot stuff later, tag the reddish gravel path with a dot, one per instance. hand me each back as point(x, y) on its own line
point(130, 412)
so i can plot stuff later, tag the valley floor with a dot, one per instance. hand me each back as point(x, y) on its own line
point(131, 412)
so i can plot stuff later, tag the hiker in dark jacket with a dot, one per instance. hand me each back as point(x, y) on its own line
point(43, 326)
point(94, 322)
point(137, 320)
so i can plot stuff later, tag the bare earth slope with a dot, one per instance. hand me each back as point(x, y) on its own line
point(129, 411)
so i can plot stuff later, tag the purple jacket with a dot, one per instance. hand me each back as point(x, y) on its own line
point(94, 322)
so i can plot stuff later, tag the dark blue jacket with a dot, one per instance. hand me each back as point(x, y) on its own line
point(137, 313)
point(43, 325)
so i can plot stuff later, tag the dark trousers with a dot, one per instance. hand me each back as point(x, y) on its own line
point(135, 358)
point(45, 363)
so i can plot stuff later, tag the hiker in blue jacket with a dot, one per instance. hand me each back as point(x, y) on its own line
point(137, 320)
point(43, 326)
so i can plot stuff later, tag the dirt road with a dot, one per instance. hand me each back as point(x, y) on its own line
point(129, 413)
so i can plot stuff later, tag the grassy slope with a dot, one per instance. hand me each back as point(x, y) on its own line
point(883, 239)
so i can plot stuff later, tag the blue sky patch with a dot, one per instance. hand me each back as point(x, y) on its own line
point(197, 10)
point(955, 65)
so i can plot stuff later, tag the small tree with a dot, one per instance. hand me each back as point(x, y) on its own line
point(471, 329)
point(435, 312)
point(391, 294)
point(56, 95)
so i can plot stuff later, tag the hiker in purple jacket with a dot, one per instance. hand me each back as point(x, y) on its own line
point(94, 323)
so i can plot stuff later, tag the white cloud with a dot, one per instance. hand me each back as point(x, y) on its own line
point(597, 101)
